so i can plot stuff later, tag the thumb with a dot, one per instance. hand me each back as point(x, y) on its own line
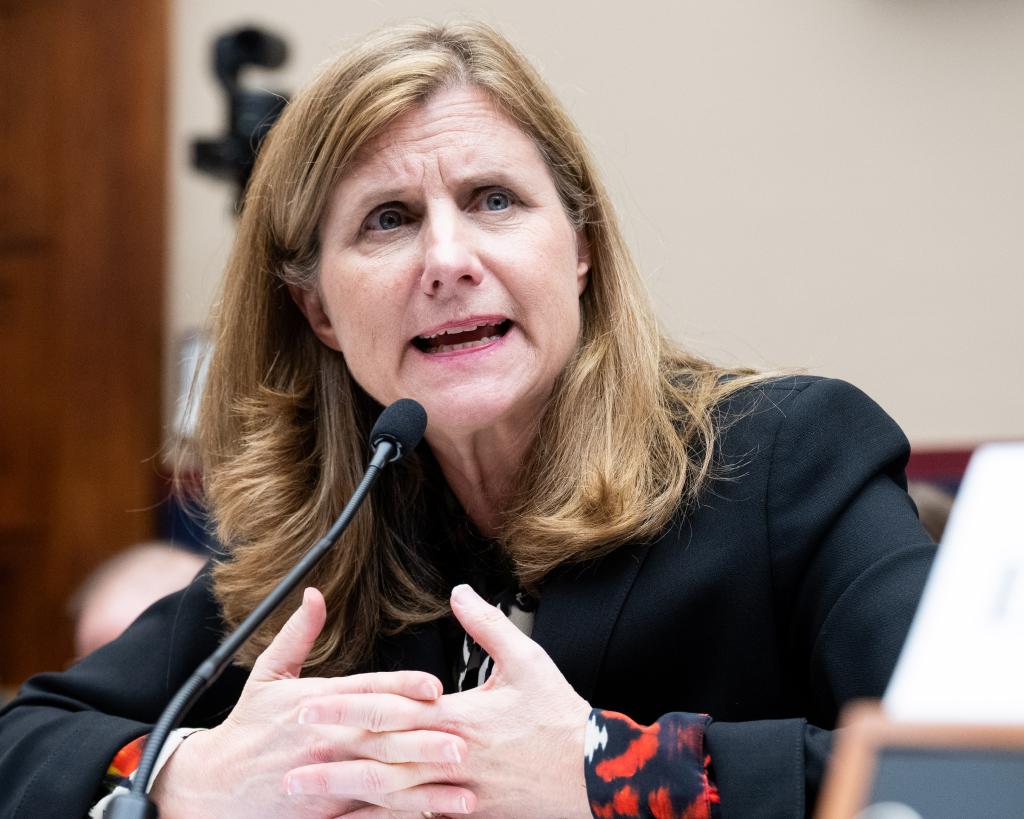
point(284, 657)
point(494, 632)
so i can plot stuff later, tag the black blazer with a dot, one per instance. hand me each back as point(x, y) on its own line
point(783, 595)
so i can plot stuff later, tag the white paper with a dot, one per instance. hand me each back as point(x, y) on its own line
point(964, 657)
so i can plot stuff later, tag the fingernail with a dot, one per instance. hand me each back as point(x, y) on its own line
point(306, 594)
point(462, 593)
point(463, 806)
point(451, 753)
point(429, 690)
point(309, 716)
point(293, 786)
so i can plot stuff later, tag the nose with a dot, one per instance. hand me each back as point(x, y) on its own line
point(450, 260)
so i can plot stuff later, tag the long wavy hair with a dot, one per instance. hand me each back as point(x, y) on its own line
point(625, 442)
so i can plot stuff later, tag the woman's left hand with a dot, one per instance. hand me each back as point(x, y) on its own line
point(524, 727)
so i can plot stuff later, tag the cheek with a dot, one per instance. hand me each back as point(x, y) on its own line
point(554, 298)
point(365, 312)
point(545, 265)
point(563, 288)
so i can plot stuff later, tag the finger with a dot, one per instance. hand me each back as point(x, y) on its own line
point(325, 744)
point(371, 712)
point(288, 650)
point(436, 799)
point(493, 631)
point(417, 685)
point(411, 746)
point(363, 779)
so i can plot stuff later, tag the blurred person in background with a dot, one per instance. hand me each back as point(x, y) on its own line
point(933, 506)
point(120, 589)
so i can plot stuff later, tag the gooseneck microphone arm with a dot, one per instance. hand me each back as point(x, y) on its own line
point(397, 432)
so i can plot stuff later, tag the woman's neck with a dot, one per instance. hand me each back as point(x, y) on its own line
point(481, 470)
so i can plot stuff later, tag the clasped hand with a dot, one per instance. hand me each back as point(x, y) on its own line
point(389, 744)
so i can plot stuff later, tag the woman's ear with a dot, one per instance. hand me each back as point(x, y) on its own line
point(582, 260)
point(309, 302)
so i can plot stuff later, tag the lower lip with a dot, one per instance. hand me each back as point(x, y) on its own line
point(467, 351)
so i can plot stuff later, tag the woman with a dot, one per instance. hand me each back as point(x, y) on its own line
point(702, 565)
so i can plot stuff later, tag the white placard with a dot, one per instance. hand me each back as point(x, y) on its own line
point(964, 657)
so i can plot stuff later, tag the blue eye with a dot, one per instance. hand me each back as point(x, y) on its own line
point(389, 220)
point(497, 200)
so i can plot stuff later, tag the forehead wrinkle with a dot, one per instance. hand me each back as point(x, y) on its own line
point(442, 116)
point(443, 122)
point(447, 142)
point(405, 168)
point(421, 130)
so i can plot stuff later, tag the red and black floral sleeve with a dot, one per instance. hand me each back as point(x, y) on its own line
point(658, 770)
point(124, 764)
point(122, 769)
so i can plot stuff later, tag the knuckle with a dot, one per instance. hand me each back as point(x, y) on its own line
point(335, 711)
point(376, 719)
point(449, 772)
point(318, 750)
point(318, 783)
point(380, 747)
point(452, 725)
point(452, 720)
point(352, 684)
point(290, 631)
point(372, 780)
point(492, 616)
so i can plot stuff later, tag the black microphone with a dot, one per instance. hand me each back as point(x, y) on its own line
point(397, 432)
point(402, 425)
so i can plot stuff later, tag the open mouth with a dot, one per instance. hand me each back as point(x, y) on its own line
point(462, 338)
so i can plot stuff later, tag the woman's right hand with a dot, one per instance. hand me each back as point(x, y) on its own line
point(238, 768)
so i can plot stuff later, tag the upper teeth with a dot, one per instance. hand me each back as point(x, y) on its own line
point(453, 330)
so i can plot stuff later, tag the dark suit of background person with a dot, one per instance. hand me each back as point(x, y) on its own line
point(785, 594)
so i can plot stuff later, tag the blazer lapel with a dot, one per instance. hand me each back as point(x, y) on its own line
point(579, 606)
point(578, 609)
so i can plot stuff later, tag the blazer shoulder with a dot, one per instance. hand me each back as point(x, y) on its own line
point(779, 397)
point(774, 392)
point(798, 414)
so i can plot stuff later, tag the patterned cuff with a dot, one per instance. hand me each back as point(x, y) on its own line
point(121, 772)
point(657, 770)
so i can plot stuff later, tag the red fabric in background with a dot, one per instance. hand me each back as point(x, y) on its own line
point(942, 467)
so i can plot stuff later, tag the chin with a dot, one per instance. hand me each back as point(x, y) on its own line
point(457, 413)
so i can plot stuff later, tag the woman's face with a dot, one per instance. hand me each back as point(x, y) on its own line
point(450, 272)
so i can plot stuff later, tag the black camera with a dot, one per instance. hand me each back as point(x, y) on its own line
point(251, 112)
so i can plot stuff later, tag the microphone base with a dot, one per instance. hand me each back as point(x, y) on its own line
point(130, 806)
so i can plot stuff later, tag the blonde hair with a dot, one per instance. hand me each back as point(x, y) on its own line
point(627, 438)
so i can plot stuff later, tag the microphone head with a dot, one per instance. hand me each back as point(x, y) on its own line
point(403, 423)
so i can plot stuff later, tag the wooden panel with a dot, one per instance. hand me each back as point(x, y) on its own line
point(80, 303)
point(27, 133)
point(25, 411)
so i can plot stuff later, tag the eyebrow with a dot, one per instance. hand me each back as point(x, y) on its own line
point(472, 179)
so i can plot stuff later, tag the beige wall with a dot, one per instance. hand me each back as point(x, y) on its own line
point(834, 185)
